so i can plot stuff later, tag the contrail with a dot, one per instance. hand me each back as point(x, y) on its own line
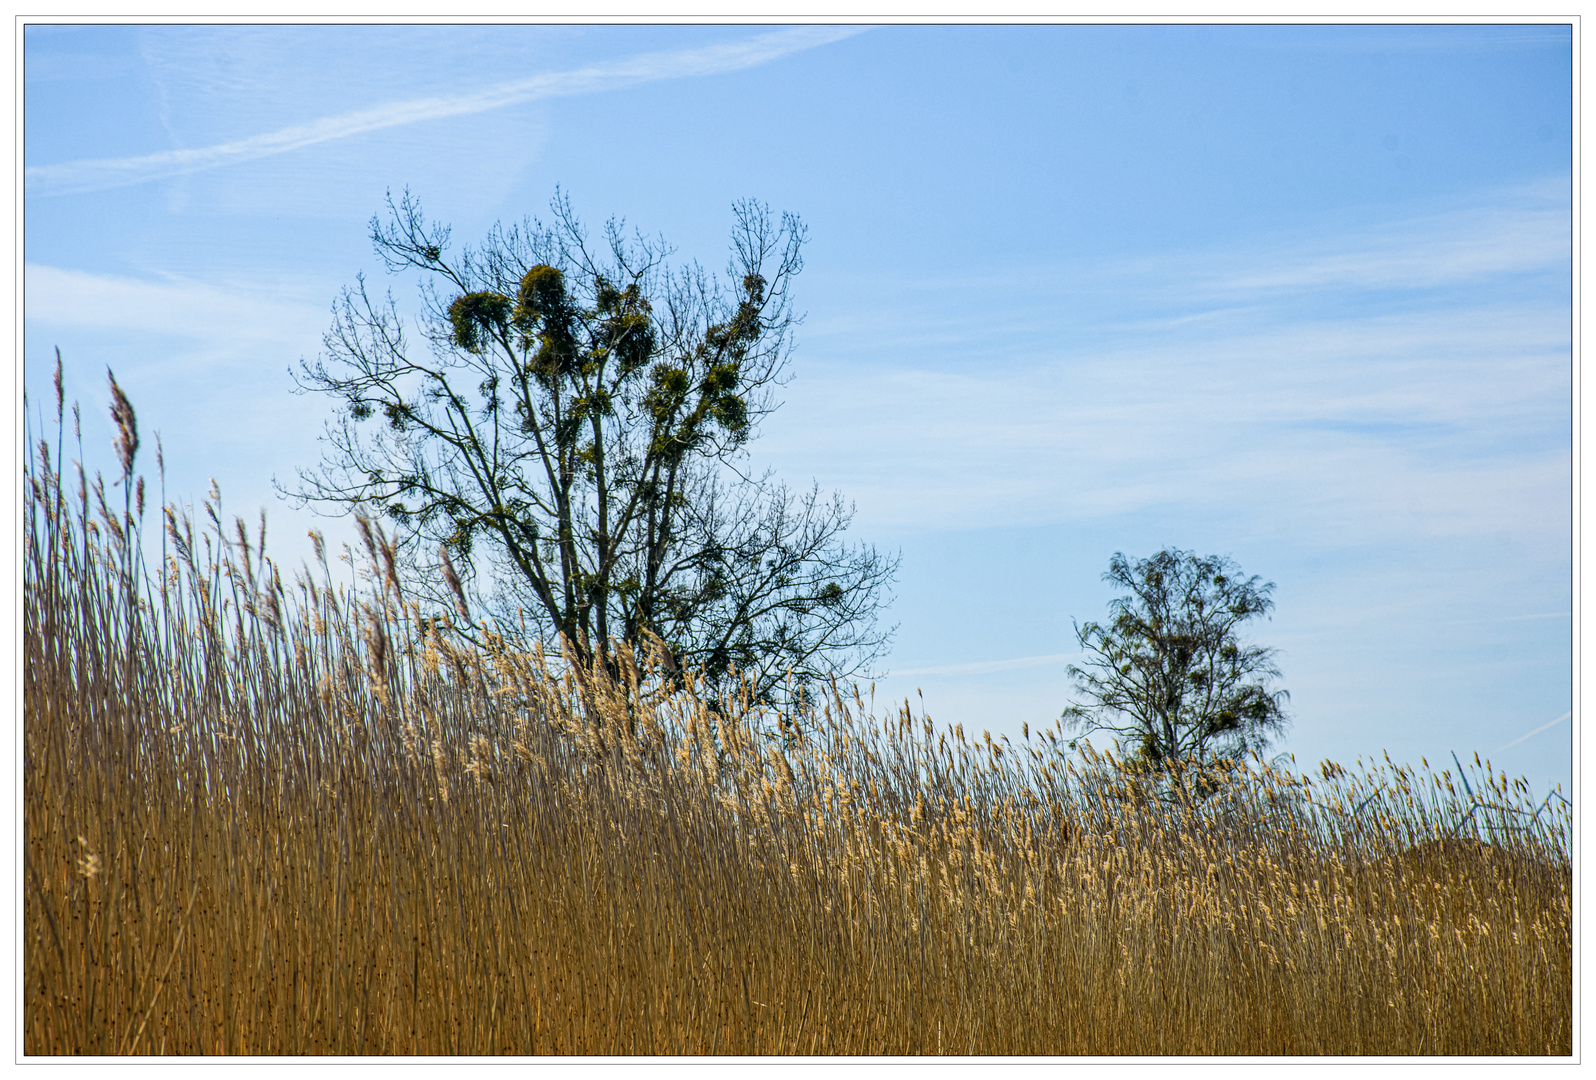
point(97, 174)
point(1537, 731)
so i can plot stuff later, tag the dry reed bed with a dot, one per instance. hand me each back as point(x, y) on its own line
point(310, 819)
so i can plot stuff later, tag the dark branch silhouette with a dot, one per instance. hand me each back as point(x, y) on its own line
point(568, 431)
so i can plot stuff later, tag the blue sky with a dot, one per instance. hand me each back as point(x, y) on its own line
point(1299, 295)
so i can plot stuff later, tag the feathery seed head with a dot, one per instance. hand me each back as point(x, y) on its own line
point(127, 426)
point(60, 396)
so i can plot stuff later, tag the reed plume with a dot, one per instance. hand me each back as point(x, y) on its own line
point(310, 818)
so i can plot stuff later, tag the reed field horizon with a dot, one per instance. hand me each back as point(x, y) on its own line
point(306, 816)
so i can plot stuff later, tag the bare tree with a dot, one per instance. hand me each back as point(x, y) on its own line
point(1170, 673)
point(573, 432)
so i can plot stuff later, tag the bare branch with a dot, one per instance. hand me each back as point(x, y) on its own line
point(1169, 673)
point(572, 445)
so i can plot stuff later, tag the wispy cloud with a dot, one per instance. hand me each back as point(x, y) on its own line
point(1526, 230)
point(1437, 423)
point(92, 175)
point(175, 307)
point(1381, 380)
point(1444, 250)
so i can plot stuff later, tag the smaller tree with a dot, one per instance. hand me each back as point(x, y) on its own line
point(1169, 673)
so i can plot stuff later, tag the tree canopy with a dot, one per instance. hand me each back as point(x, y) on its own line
point(571, 434)
point(1170, 673)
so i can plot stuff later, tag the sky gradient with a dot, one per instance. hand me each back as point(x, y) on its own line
point(1299, 295)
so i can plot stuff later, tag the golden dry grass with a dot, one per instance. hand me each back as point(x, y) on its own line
point(269, 819)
